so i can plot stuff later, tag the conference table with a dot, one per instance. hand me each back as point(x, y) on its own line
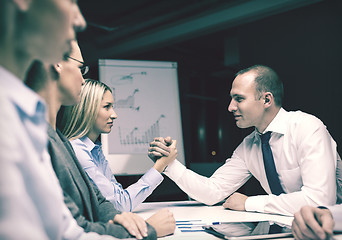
point(198, 213)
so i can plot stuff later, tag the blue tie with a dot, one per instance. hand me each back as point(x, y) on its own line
point(270, 169)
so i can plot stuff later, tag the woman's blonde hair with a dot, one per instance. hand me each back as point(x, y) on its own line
point(79, 119)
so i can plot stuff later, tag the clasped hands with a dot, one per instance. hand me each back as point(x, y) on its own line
point(162, 151)
point(166, 147)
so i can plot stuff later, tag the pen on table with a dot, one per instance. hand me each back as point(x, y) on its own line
point(219, 223)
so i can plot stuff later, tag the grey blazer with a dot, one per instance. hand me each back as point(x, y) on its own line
point(85, 202)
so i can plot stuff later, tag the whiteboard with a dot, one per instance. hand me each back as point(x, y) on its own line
point(146, 100)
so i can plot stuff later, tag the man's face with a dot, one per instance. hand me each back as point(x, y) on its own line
point(48, 27)
point(70, 77)
point(248, 110)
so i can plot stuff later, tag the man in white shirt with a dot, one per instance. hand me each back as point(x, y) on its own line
point(31, 200)
point(317, 223)
point(302, 152)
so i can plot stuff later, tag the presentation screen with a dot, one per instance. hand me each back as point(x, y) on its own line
point(146, 100)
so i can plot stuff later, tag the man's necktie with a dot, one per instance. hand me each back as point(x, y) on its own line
point(270, 169)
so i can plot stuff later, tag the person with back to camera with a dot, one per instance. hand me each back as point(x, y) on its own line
point(31, 200)
point(291, 154)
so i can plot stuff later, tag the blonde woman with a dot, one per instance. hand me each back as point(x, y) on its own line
point(82, 124)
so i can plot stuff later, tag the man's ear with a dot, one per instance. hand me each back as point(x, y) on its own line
point(23, 5)
point(56, 70)
point(268, 99)
point(58, 67)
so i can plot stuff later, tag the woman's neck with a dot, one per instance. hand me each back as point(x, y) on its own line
point(93, 136)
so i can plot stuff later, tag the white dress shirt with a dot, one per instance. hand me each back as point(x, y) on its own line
point(305, 157)
point(94, 163)
point(31, 199)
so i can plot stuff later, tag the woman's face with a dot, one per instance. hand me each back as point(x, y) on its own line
point(106, 115)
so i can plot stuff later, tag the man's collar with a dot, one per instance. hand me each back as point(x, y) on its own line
point(278, 123)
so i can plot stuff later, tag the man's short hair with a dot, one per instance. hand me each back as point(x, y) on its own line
point(267, 80)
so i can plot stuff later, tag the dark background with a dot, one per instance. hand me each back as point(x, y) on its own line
point(301, 42)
